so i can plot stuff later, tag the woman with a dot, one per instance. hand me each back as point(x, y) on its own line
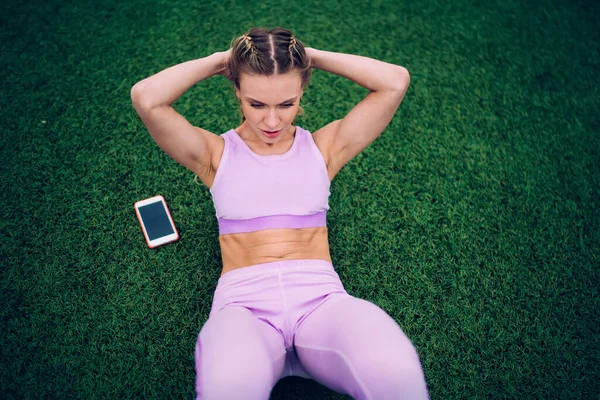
point(279, 308)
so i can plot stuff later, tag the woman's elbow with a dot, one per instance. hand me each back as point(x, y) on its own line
point(402, 79)
point(136, 92)
point(138, 98)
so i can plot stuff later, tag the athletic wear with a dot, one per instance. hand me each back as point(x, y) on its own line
point(253, 192)
point(294, 318)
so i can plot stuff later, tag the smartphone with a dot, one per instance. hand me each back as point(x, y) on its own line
point(156, 221)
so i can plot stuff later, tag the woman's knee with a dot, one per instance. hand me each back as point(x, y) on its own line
point(389, 363)
point(384, 361)
point(236, 357)
point(393, 372)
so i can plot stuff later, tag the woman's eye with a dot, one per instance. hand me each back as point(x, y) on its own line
point(260, 105)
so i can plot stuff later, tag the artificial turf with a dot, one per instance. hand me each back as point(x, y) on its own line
point(472, 220)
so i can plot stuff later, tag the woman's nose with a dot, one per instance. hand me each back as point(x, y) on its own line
point(272, 120)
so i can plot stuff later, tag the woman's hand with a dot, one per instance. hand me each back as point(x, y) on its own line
point(311, 54)
point(225, 71)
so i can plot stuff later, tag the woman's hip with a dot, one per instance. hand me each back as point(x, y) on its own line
point(288, 287)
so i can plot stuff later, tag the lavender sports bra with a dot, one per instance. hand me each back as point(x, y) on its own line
point(252, 192)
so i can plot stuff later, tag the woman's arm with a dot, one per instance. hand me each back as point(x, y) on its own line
point(369, 73)
point(152, 99)
point(165, 87)
point(343, 139)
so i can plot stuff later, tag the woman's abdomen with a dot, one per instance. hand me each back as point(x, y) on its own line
point(246, 249)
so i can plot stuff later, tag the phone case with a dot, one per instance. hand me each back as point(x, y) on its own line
point(135, 206)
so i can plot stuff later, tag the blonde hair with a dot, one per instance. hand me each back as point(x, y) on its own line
point(268, 52)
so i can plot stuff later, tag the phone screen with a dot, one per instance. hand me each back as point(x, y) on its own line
point(156, 220)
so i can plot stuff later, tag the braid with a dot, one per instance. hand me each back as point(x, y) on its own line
point(292, 47)
point(265, 52)
point(249, 46)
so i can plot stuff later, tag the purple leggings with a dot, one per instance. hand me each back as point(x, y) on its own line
point(294, 318)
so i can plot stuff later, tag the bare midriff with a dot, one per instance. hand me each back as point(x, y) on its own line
point(239, 250)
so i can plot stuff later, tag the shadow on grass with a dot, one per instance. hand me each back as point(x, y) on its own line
point(296, 388)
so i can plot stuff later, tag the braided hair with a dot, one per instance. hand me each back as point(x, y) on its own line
point(268, 52)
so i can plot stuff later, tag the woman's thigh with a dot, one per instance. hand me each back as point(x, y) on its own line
point(237, 356)
point(354, 347)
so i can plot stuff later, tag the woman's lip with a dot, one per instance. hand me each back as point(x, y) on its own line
point(271, 132)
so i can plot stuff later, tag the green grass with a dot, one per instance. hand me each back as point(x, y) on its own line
point(473, 220)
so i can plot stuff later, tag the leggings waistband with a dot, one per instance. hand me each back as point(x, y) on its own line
point(274, 267)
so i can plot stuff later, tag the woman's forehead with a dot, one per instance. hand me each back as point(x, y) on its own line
point(275, 88)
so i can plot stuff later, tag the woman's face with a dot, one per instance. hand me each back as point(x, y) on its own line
point(270, 103)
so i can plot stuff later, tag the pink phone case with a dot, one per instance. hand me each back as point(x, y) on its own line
point(144, 230)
